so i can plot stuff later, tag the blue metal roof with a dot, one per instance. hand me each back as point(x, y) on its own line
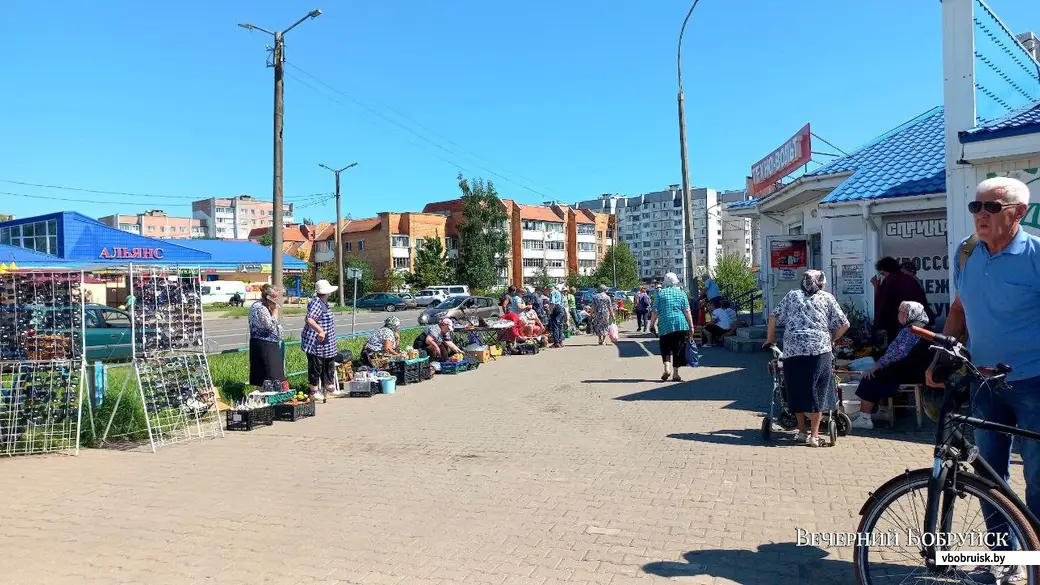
point(1023, 121)
point(908, 160)
point(237, 252)
point(743, 204)
point(19, 255)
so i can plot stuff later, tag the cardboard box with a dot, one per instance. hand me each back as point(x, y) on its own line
point(495, 351)
point(479, 356)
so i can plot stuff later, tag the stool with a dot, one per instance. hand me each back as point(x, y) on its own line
point(907, 389)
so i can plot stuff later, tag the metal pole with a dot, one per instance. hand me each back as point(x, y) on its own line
point(276, 225)
point(613, 262)
point(353, 313)
point(339, 246)
point(690, 248)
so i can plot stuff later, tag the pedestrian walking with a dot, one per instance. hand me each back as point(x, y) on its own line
point(602, 313)
point(673, 321)
point(642, 309)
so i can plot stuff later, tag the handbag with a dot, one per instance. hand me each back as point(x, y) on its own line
point(693, 359)
point(612, 332)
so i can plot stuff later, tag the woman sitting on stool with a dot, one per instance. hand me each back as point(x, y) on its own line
point(904, 362)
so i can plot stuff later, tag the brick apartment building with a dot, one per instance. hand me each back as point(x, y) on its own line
point(233, 218)
point(155, 223)
point(298, 240)
point(452, 210)
point(390, 240)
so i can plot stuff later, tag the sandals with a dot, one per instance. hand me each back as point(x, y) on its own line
point(665, 376)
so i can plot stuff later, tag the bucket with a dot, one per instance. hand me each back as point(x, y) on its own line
point(389, 385)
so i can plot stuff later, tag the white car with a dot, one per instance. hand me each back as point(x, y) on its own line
point(425, 298)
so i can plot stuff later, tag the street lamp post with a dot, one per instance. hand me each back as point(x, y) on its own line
point(690, 249)
point(339, 231)
point(278, 62)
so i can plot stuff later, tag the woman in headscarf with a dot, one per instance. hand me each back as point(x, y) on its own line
point(602, 313)
point(674, 323)
point(383, 343)
point(905, 362)
point(813, 322)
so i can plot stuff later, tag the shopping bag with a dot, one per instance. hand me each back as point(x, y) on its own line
point(693, 359)
point(612, 332)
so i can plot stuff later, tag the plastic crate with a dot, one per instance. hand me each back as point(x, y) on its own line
point(454, 367)
point(360, 389)
point(247, 420)
point(294, 412)
point(408, 371)
point(279, 398)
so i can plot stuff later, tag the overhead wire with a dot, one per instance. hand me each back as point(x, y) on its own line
point(126, 194)
point(418, 134)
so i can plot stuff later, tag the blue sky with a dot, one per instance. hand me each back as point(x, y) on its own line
point(551, 100)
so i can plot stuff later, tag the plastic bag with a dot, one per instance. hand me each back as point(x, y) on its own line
point(612, 332)
point(862, 364)
point(693, 359)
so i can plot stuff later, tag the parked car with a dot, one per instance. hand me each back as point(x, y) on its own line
point(452, 290)
point(461, 308)
point(107, 333)
point(408, 300)
point(429, 296)
point(385, 301)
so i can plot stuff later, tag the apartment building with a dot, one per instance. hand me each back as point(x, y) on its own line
point(739, 234)
point(390, 240)
point(539, 239)
point(652, 225)
point(452, 212)
point(606, 203)
point(589, 237)
point(155, 223)
point(234, 218)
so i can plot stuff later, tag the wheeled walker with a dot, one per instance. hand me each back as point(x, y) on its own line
point(836, 420)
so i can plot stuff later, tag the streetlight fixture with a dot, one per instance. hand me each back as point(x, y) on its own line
point(689, 250)
point(339, 234)
point(278, 62)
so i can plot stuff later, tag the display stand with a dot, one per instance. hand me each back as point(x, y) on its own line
point(170, 364)
point(42, 362)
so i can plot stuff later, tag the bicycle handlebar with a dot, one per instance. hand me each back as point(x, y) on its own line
point(937, 338)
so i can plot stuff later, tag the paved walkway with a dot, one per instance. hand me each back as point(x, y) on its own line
point(572, 466)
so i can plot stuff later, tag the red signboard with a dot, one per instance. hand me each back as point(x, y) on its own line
point(783, 161)
point(788, 254)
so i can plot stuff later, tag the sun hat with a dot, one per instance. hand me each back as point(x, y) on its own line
point(446, 321)
point(323, 287)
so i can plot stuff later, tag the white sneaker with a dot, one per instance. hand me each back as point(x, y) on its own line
point(801, 437)
point(318, 396)
point(862, 421)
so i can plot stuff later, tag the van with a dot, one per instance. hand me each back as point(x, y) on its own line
point(452, 290)
point(221, 291)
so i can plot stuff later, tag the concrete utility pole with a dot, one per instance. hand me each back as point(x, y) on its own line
point(690, 248)
point(339, 231)
point(278, 62)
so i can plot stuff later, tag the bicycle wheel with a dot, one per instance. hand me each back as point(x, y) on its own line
point(899, 506)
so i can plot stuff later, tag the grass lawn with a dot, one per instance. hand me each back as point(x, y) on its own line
point(288, 310)
point(230, 373)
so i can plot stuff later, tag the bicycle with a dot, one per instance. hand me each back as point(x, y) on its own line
point(959, 472)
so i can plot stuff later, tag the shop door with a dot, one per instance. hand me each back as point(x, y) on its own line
point(789, 258)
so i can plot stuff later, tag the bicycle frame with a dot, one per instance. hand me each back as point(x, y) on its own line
point(952, 448)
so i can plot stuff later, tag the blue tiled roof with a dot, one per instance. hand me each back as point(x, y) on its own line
point(237, 252)
point(909, 160)
point(1023, 121)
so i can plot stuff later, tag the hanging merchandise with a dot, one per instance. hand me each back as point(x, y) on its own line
point(180, 402)
point(41, 362)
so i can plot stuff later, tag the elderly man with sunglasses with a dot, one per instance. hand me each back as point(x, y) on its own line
point(997, 309)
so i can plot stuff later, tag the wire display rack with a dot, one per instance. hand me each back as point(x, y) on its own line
point(42, 362)
point(170, 364)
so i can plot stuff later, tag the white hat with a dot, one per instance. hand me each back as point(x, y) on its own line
point(322, 287)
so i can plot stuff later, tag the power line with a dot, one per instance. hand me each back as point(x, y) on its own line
point(419, 135)
point(126, 194)
point(52, 198)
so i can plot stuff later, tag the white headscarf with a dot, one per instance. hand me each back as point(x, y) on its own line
point(671, 279)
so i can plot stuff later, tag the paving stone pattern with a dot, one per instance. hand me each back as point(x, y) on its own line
point(572, 466)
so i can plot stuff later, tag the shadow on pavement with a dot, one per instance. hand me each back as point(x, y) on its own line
point(630, 349)
point(770, 564)
point(739, 437)
point(619, 381)
point(742, 388)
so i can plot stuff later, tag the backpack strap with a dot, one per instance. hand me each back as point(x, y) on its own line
point(966, 249)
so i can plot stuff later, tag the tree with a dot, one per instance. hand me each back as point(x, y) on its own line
point(618, 268)
point(328, 272)
point(733, 273)
point(392, 281)
point(265, 239)
point(483, 241)
point(431, 267)
point(579, 281)
point(541, 279)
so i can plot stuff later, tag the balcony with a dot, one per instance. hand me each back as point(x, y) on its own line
point(532, 235)
point(398, 252)
point(556, 254)
point(591, 238)
point(589, 255)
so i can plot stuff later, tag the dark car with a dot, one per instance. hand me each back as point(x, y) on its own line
point(384, 301)
point(107, 330)
point(461, 308)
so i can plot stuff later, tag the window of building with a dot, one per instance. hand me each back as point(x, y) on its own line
point(586, 263)
point(347, 246)
point(586, 246)
point(554, 263)
point(151, 228)
point(361, 245)
point(419, 243)
point(555, 245)
point(41, 236)
point(400, 262)
point(586, 229)
point(183, 230)
point(533, 226)
point(453, 243)
point(533, 262)
point(533, 245)
point(399, 241)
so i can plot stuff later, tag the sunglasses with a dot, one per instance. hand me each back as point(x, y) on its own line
point(990, 206)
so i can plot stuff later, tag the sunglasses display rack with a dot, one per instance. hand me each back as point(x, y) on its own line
point(41, 362)
point(169, 355)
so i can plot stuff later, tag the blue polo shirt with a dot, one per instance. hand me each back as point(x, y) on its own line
point(1001, 298)
point(713, 289)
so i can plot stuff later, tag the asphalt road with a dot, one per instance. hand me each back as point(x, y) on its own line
point(223, 333)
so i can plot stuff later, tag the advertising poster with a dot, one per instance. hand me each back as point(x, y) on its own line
point(852, 279)
point(921, 240)
point(788, 254)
